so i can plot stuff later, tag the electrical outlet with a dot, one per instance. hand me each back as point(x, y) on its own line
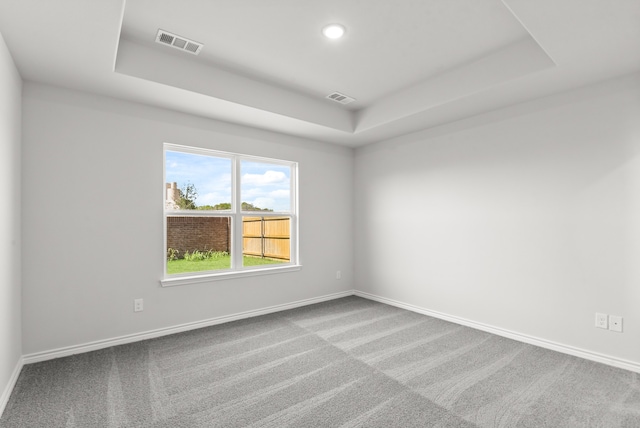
point(602, 320)
point(338, 274)
point(138, 305)
point(615, 323)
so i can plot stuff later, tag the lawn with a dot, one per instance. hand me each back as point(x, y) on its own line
point(184, 266)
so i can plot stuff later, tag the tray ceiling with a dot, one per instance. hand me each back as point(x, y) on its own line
point(410, 65)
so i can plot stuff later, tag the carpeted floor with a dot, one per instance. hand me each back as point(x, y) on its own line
point(345, 363)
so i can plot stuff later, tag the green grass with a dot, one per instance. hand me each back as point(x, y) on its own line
point(185, 266)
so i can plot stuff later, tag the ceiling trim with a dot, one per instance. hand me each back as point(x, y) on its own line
point(516, 60)
point(169, 68)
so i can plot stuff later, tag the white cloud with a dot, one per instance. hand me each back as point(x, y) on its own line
point(279, 194)
point(212, 199)
point(264, 203)
point(269, 177)
point(253, 193)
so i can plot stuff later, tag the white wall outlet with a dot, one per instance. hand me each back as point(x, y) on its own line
point(615, 323)
point(338, 274)
point(138, 305)
point(602, 320)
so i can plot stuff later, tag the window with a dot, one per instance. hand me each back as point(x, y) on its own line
point(227, 214)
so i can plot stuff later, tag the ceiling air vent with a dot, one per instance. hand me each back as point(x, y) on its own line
point(178, 42)
point(340, 98)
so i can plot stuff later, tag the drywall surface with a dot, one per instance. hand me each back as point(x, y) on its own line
point(10, 300)
point(93, 219)
point(525, 219)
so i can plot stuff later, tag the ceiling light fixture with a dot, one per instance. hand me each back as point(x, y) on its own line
point(333, 31)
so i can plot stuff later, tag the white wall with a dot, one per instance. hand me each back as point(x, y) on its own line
point(526, 219)
point(92, 214)
point(10, 299)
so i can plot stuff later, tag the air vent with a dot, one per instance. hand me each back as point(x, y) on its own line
point(340, 98)
point(178, 42)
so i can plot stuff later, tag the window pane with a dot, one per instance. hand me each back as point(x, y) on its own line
point(197, 182)
point(265, 187)
point(266, 240)
point(196, 244)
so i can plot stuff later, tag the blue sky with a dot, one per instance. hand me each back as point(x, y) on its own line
point(262, 184)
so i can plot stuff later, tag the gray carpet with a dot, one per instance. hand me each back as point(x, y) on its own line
point(345, 363)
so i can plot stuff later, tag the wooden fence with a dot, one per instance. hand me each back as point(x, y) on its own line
point(266, 237)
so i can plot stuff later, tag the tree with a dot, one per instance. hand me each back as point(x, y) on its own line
point(246, 206)
point(220, 206)
point(188, 194)
point(187, 197)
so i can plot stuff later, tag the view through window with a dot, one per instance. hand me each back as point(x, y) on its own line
point(227, 212)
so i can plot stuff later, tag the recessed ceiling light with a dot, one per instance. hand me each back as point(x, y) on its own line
point(333, 31)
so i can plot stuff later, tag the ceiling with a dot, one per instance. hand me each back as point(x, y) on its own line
point(410, 64)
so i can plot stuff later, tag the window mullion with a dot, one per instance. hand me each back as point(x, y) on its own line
point(236, 237)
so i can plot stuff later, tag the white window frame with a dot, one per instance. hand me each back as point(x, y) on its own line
point(236, 214)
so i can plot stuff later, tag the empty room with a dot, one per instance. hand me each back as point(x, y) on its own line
point(296, 213)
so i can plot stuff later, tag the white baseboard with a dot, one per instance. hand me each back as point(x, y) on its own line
point(136, 337)
point(101, 344)
point(547, 344)
point(4, 398)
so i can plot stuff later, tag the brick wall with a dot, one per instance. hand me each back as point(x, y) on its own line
point(198, 233)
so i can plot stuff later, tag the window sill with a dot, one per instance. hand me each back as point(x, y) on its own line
point(195, 279)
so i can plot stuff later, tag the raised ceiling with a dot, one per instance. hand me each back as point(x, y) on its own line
point(410, 64)
point(388, 46)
